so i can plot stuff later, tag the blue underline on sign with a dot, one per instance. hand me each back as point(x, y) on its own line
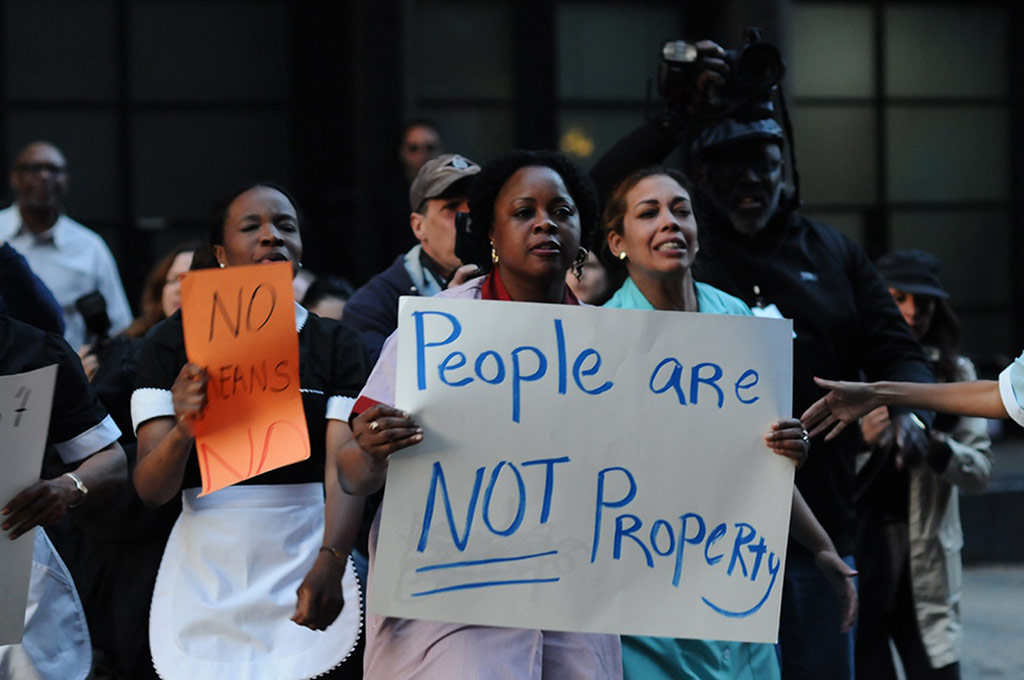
point(485, 584)
point(493, 560)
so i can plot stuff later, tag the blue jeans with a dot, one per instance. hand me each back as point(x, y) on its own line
point(811, 645)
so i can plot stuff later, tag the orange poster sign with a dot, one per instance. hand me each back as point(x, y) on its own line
point(240, 326)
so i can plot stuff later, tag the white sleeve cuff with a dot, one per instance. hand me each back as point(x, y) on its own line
point(150, 402)
point(99, 436)
point(1009, 397)
point(340, 408)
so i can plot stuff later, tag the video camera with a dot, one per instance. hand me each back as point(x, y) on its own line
point(93, 308)
point(754, 74)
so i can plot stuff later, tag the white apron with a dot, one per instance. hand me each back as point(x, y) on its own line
point(225, 591)
point(56, 644)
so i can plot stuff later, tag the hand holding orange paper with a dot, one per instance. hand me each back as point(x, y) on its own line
point(239, 324)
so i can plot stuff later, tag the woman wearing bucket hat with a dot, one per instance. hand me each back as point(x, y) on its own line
point(909, 536)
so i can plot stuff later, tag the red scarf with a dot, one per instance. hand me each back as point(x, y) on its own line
point(494, 289)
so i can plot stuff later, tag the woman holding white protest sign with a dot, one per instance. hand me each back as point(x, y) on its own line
point(528, 213)
point(237, 556)
point(650, 229)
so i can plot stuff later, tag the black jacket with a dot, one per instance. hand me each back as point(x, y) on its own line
point(846, 323)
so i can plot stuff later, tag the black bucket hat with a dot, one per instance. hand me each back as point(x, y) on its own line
point(912, 271)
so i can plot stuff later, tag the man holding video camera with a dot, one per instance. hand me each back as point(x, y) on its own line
point(756, 246)
point(72, 260)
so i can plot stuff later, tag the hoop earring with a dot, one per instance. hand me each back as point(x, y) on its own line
point(494, 254)
point(577, 264)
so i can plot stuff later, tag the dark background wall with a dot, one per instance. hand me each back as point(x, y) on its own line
point(907, 114)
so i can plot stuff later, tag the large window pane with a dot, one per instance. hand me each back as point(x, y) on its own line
point(60, 49)
point(987, 338)
point(461, 49)
point(185, 161)
point(948, 154)
point(218, 50)
point(586, 134)
point(88, 140)
point(478, 134)
point(835, 149)
point(972, 246)
point(607, 51)
point(832, 51)
point(957, 51)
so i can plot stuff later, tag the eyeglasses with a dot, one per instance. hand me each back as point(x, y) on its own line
point(36, 168)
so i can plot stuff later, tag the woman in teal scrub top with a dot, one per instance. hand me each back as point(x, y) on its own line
point(650, 228)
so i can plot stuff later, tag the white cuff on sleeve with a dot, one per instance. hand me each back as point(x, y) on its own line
point(1010, 402)
point(99, 436)
point(150, 402)
point(340, 408)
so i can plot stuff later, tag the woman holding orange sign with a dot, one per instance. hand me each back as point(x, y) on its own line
point(238, 555)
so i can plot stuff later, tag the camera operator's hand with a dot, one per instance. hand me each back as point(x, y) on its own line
point(713, 67)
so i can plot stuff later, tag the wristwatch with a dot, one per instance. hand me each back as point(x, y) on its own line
point(82, 489)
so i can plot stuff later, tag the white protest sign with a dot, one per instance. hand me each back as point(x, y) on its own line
point(25, 403)
point(588, 469)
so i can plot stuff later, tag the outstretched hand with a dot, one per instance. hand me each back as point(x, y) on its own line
point(844, 404)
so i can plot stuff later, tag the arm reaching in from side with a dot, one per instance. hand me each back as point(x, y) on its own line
point(848, 401)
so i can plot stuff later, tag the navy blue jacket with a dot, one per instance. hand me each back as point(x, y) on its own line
point(373, 310)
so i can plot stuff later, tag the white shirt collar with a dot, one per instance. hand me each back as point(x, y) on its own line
point(301, 315)
point(53, 235)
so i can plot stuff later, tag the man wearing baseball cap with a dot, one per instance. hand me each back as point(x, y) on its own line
point(436, 195)
point(757, 246)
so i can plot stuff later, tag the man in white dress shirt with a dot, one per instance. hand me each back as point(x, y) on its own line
point(71, 259)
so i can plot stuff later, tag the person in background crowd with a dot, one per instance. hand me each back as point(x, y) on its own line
point(161, 294)
point(908, 510)
point(650, 230)
point(224, 603)
point(304, 278)
point(436, 195)
point(421, 141)
point(72, 261)
point(82, 466)
point(529, 211)
point(759, 248)
point(327, 296)
point(590, 284)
